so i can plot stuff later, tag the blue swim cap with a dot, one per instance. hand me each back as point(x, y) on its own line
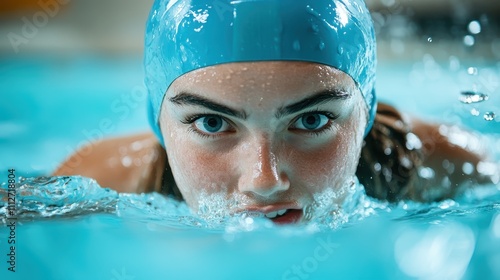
point(185, 35)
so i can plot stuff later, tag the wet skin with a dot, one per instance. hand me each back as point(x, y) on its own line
point(267, 134)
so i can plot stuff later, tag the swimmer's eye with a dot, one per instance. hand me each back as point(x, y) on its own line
point(314, 122)
point(208, 125)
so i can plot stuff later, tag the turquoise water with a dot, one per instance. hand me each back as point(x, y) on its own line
point(70, 228)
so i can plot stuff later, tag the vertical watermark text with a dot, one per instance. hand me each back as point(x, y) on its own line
point(11, 215)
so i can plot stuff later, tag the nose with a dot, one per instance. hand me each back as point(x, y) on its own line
point(261, 172)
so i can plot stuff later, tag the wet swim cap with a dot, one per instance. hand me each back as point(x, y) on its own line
point(185, 35)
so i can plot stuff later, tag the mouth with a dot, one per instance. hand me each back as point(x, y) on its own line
point(279, 214)
point(286, 216)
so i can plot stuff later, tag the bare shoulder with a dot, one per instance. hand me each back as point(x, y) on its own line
point(405, 157)
point(455, 153)
point(127, 164)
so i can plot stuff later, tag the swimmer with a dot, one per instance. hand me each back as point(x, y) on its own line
point(271, 102)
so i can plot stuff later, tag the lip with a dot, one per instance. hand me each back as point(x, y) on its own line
point(293, 214)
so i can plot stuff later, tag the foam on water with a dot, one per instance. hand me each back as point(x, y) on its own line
point(52, 197)
point(326, 212)
point(55, 197)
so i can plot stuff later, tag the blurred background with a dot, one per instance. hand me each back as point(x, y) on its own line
point(71, 70)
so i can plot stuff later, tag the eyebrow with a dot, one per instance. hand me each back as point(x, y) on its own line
point(321, 97)
point(185, 98)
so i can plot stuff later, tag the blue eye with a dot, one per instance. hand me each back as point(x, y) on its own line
point(211, 124)
point(311, 121)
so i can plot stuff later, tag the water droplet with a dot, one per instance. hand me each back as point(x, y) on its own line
point(475, 112)
point(468, 168)
point(469, 41)
point(474, 27)
point(321, 45)
point(126, 161)
point(472, 71)
point(312, 11)
point(296, 45)
point(340, 50)
point(489, 116)
point(469, 97)
point(426, 172)
point(429, 39)
point(315, 27)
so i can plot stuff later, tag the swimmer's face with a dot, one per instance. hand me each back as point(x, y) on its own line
point(266, 136)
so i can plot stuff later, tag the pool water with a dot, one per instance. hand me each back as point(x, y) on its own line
point(71, 228)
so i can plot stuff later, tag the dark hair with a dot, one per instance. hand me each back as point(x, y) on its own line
point(388, 165)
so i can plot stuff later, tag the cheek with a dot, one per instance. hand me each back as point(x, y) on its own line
point(334, 162)
point(196, 169)
point(328, 166)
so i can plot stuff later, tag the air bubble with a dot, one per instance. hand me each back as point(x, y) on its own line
point(429, 39)
point(489, 116)
point(468, 97)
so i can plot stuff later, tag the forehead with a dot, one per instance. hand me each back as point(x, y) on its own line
point(281, 78)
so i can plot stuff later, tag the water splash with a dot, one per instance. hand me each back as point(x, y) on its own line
point(62, 197)
point(51, 197)
point(333, 209)
point(489, 116)
point(468, 97)
point(45, 197)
